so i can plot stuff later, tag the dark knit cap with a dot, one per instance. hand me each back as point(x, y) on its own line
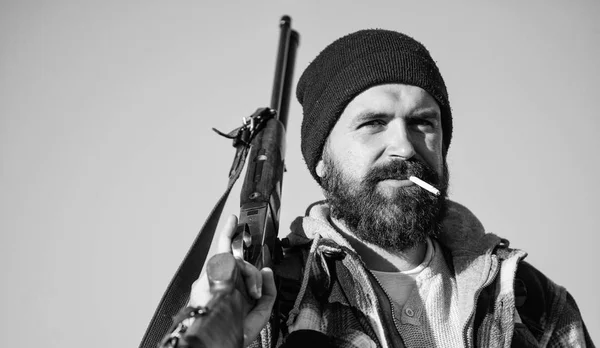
point(354, 63)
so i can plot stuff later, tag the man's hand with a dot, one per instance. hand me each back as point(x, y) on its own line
point(258, 284)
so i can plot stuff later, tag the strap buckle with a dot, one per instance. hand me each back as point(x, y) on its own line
point(251, 125)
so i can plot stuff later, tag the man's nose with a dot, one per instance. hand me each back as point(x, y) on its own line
point(398, 141)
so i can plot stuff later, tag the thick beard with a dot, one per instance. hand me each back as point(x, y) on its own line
point(394, 223)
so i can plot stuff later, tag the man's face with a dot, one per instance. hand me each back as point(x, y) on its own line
point(386, 134)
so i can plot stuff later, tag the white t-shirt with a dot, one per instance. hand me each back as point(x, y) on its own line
point(399, 285)
point(424, 301)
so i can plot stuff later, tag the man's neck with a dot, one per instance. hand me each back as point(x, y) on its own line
point(379, 259)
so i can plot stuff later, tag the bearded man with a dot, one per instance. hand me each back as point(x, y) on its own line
point(387, 262)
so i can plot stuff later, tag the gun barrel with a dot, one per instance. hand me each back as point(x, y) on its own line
point(284, 69)
point(264, 174)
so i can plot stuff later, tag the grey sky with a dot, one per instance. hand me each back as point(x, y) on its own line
point(109, 165)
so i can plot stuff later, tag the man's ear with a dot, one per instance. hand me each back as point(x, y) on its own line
point(320, 169)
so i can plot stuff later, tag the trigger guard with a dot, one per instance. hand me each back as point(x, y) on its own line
point(240, 242)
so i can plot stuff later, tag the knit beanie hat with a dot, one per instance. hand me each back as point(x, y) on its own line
point(354, 63)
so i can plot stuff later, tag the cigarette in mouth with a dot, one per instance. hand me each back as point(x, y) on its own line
point(424, 185)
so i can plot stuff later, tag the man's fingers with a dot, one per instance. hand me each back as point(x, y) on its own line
point(259, 285)
point(224, 244)
point(268, 284)
point(260, 314)
point(269, 292)
point(200, 293)
point(252, 278)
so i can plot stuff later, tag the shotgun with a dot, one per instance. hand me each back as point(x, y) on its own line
point(260, 201)
point(255, 239)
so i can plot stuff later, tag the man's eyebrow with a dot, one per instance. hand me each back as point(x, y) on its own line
point(422, 113)
point(367, 115)
point(427, 113)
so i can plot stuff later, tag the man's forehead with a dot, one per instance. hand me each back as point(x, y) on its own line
point(387, 97)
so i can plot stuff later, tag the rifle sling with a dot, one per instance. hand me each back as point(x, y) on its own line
point(177, 294)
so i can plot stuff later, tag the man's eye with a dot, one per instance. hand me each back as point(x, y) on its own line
point(373, 123)
point(424, 124)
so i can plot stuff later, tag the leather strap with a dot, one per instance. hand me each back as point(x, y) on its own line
point(177, 294)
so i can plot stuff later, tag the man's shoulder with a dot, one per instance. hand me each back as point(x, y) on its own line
point(535, 294)
point(548, 309)
point(548, 313)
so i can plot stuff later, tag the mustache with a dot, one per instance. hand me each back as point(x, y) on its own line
point(401, 170)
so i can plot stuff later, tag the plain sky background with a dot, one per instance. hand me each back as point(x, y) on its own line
point(109, 165)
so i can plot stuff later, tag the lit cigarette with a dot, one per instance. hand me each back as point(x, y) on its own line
point(424, 185)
